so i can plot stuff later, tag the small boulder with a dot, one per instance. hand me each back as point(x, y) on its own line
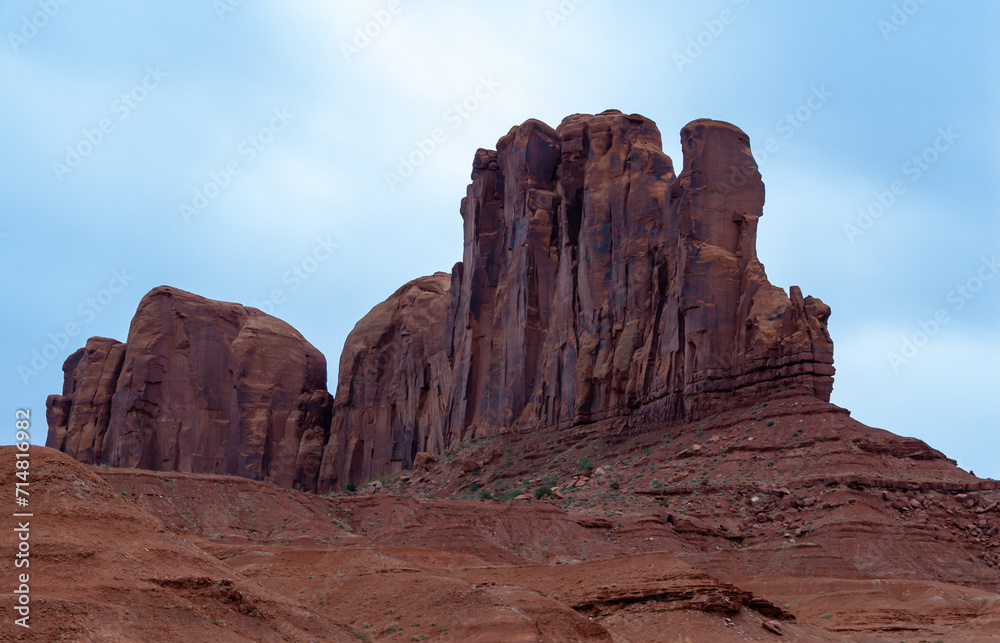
point(423, 460)
point(774, 627)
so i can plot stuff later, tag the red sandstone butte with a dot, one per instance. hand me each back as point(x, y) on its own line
point(596, 283)
point(200, 386)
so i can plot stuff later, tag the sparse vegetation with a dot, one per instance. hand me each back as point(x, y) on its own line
point(542, 491)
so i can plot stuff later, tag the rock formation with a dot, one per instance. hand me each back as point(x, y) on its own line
point(78, 419)
point(394, 387)
point(200, 386)
point(595, 283)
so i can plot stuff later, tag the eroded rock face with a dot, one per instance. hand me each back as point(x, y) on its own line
point(200, 386)
point(602, 283)
point(394, 388)
point(595, 283)
point(78, 419)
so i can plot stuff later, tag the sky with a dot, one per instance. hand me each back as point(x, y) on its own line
point(254, 151)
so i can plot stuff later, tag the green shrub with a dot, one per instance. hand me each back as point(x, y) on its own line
point(614, 484)
point(542, 491)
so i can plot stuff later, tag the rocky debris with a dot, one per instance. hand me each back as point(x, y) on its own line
point(423, 460)
point(370, 489)
point(595, 283)
point(200, 386)
point(774, 627)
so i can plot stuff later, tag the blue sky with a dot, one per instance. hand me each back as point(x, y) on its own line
point(239, 150)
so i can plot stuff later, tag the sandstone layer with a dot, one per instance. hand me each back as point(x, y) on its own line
point(200, 386)
point(595, 283)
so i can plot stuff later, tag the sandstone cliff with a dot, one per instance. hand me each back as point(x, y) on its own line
point(595, 283)
point(200, 386)
point(394, 388)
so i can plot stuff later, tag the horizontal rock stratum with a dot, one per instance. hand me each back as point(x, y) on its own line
point(595, 283)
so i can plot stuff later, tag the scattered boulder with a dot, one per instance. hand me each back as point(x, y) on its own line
point(423, 460)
